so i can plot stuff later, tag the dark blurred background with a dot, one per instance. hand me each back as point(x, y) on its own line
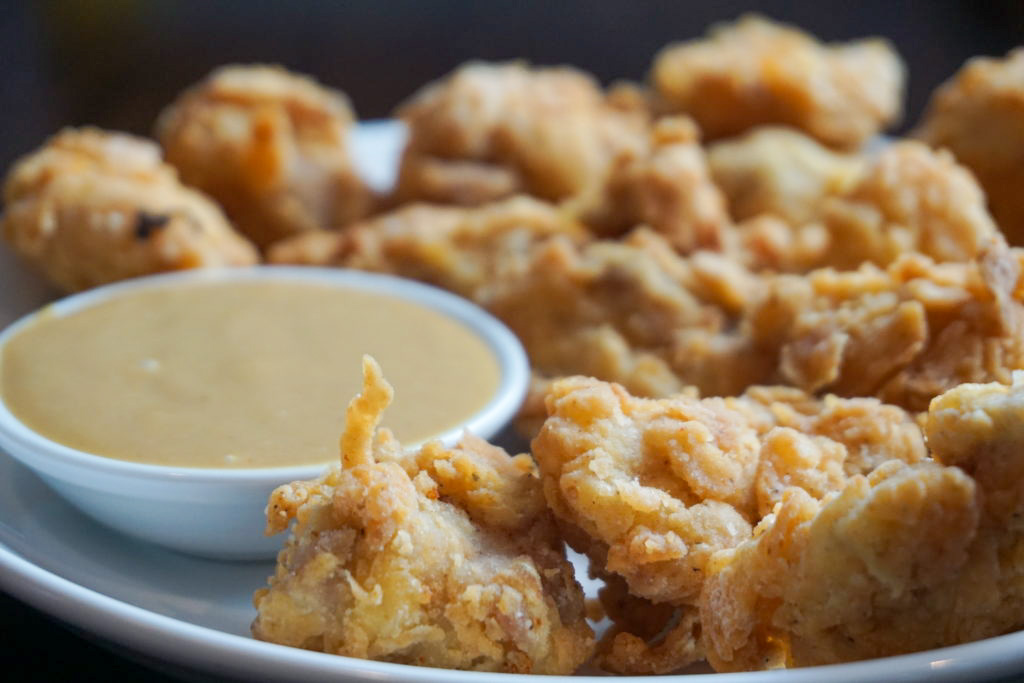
point(116, 63)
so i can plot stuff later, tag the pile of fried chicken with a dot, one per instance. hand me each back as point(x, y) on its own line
point(775, 399)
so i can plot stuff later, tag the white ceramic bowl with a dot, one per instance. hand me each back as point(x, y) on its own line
point(219, 512)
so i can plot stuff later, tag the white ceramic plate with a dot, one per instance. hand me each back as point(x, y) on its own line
point(193, 614)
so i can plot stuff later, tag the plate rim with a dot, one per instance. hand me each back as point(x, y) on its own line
point(181, 642)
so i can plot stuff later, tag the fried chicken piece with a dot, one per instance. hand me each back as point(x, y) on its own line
point(782, 172)
point(755, 72)
point(909, 199)
point(904, 334)
point(665, 186)
point(442, 557)
point(463, 250)
point(91, 207)
point(910, 558)
point(270, 146)
point(979, 116)
point(611, 309)
point(817, 444)
point(842, 211)
point(488, 131)
point(650, 489)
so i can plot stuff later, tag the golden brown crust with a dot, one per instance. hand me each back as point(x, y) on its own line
point(978, 115)
point(909, 199)
point(270, 146)
point(782, 172)
point(487, 131)
point(441, 557)
point(91, 207)
point(804, 207)
point(658, 485)
point(904, 334)
point(909, 558)
point(664, 186)
point(650, 490)
point(464, 250)
point(755, 72)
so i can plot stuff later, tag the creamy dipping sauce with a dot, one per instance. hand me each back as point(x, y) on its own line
point(238, 374)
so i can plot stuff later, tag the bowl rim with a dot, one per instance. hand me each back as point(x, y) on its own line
point(508, 352)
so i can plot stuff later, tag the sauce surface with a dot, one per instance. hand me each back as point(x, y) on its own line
point(239, 374)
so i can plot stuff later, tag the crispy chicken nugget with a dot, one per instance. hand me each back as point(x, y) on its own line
point(782, 172)
point(905, 334)
point(909, 558)
point(755, 72)
point(488, 131)
point(665, 186)
point(648, 490)
point(270, 146)
point(804, 207)
point(909, 199)
point(463, 250)
point(443, 557)
point(651, 489)
point(91, 207)
point(612, 309)
point(978, 115)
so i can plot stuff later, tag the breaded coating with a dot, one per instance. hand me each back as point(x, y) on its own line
point(91, 207)
point(666, 187)
point(904, 334)
point(651, 489)
point(442, 557)
point(767, 243)
point(755, 72)
point(816, 444)
point(488, 131)
point(979, 116)
point(782, 172)
point(820, 209)
point(910, 199)
point(463, 250)
point(911, 557)
point(611, 309)
point(270, 146)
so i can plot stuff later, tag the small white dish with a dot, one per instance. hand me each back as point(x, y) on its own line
point(219, 512)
